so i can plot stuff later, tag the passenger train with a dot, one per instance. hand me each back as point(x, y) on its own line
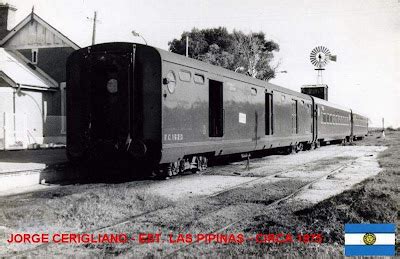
point(130, 104)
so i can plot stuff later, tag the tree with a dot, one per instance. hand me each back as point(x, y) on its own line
point(230, 50)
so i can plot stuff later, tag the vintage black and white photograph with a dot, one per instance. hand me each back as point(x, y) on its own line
point(199, 128)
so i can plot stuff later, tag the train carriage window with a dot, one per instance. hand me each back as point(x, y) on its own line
point(216, 111)
point(185, 75)
point(198, 79)
point(269, 119)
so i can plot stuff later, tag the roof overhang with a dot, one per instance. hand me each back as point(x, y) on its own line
point(18, 74)
point(14, 84)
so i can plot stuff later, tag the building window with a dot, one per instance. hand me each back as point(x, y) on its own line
point(35, 53)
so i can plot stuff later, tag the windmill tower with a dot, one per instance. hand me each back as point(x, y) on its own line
point(319, 57)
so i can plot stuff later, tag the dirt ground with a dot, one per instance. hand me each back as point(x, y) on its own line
point(360, 191)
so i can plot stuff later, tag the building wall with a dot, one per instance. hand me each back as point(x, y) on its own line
point(48, 57)
point(31, 103)
point(27, 112)
point(44, 111)
point(21, 116)
point(6, 105)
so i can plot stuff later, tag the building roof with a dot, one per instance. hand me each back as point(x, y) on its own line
point(18, 74)
point(33, 16)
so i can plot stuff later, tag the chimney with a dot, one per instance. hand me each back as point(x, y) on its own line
point(7, 19)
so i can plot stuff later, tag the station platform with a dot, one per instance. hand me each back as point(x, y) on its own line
point(23, 168)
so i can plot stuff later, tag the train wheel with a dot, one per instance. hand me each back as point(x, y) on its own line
point(182, 166)
point(299, 147)
point(195, 164)
point(174, 167)
point(168, 171)
point(204, 162)
point(200, 163)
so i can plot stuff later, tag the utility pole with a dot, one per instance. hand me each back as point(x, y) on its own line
point(95, 21)
point(383, 128)
point(94, 28)
point(187, 46)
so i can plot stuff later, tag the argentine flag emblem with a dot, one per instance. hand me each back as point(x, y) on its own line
point(369, 239)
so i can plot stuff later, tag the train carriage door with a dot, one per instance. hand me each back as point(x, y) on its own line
point(295, 127)
point(216, 110)
point(314, 116)
point(351, 124)
point(109, 79)
point(269, 126)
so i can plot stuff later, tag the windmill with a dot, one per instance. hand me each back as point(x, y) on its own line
point(320, 57)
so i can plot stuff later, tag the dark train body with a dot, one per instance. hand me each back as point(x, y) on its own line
point(130, 103)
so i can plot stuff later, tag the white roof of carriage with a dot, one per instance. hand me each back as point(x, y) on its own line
point(19, 74)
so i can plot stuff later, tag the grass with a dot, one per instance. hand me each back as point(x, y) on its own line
point(375, 200)
point(63, 210)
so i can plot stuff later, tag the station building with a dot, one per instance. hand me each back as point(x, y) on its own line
point(33, 57)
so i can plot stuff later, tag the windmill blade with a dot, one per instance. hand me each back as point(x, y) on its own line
point(320, 56)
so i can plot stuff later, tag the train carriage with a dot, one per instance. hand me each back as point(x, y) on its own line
point(359, 125)
point(214, 110)
point(130, 104)
point(333, 121)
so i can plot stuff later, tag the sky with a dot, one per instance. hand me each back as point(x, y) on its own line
point(364, 34)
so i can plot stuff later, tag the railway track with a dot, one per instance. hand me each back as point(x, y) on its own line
point(269, 206)
point(257, 179)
